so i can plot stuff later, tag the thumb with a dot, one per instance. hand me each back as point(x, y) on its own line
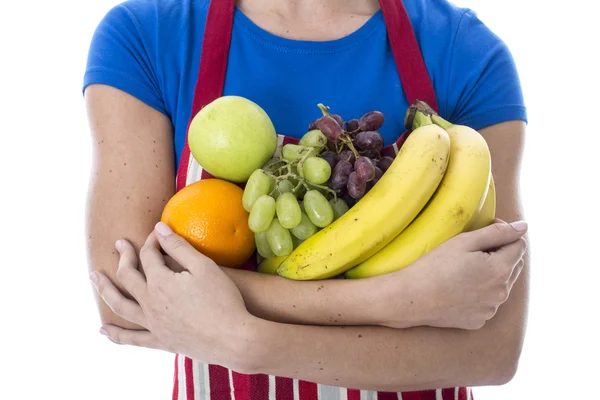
point(177, 247)
point(495, 235)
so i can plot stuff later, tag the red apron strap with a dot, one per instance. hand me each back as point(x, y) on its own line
point(213, 67)
point(407, 53)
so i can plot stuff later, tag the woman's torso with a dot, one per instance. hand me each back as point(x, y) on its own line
point(154, 46)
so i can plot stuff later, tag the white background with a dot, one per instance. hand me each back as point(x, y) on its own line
point(49, 341)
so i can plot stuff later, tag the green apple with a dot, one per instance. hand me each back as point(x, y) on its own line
point(232, 137)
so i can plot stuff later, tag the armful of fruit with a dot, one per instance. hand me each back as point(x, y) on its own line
point(455, 285)
point(421, 357)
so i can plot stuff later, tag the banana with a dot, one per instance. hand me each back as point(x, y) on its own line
point(488, 211)
point(459, 196)
point(386, 210)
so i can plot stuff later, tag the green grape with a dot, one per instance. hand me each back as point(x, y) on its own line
point(318, 209)
point(280, 239)
point(314, 138)
point(262, 214)
point(339, 207)
point(262, 245)
point(288, 210)
point(296, 242)
point(302, 206)
point(305, 228)
point(285, 186)
point(293, 152)
point(258, 184)
point(316, 170)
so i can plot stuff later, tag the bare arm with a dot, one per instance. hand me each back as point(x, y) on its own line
point(329, 302)
point(131, 179)
point(415, 358)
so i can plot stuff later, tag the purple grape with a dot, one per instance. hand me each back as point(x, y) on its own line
point(356, 188)
point(378, 175)
point(313, 125)
point(351, 201)
point(330, 157)
point(369, 140)
point(365, 170)
point(338, 119)
point(371, 121)
point(352, 125)
point(340, 174)
point(347, 155)
point(374, 154)
point(330, 128)
point(385, 163)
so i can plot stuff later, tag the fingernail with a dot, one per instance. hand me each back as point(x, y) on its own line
point(163, 229)
point(93, 278)
point(103, 331)
point(519, 226)
point(118, 245)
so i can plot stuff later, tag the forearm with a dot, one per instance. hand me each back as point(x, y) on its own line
point(328, 302)
point(379, 358)
point(130, 182)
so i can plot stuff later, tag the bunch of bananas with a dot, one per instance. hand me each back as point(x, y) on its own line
point(439, 185)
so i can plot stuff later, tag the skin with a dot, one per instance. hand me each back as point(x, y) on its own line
point(413, 329)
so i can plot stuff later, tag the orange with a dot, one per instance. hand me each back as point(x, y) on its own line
point(210, 216)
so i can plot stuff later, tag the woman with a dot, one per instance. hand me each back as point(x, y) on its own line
point(428, 332)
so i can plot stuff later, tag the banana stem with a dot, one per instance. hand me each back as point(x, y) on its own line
point(441, 122)
point(415, 113)
point(421, 119)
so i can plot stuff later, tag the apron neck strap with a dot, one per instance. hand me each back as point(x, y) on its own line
point(217, 37)
point(215, 52)
point(411, 67)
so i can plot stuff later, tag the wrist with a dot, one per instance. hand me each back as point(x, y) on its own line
point(254, 351)
point(401, 301)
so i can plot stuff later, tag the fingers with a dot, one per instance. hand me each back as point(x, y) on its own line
point(178, 248)
point(510, 258)
point(515, 273)
point(127, 274)
point(119, 304)
point(173, 265)
point(495, 235)
point(512, 252)
point(152, 260)
point(133, 337)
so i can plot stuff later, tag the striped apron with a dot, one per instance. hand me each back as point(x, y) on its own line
point(196, 381)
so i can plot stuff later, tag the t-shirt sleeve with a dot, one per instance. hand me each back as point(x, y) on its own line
point(119, 56)
point(484, 86)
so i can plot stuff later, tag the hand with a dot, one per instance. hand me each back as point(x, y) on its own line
point(198, 311)
point(463, 282)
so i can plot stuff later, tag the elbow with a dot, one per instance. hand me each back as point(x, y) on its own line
point(504, 366)
point(504, 374)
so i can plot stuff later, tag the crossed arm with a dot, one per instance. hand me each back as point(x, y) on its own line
point(295, 335)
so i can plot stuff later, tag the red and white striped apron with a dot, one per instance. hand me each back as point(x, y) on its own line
point(196, 381)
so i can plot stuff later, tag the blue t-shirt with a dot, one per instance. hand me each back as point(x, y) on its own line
point(151, 50)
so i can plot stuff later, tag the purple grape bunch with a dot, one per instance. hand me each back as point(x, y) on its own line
point(354, 153)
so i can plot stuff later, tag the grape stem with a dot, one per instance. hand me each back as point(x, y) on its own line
point(324, 109)
point(344, 137)
point(348, 142)
point(289, 174)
